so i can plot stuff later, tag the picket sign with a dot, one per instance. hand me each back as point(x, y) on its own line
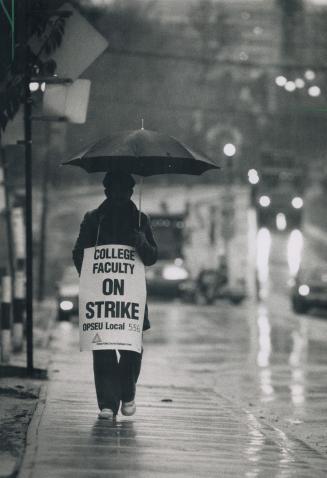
point(112, 296)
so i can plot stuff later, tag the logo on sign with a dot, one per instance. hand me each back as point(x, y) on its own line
point(96, 339)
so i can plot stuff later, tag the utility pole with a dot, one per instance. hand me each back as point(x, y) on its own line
point(28, 191)
point(11, 261)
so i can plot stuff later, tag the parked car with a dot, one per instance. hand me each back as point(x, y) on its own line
point(167, 277)
point(168, 274)
point(309, 289)
point(67, 294)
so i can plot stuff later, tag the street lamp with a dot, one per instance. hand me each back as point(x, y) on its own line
point(253, 176)
point(297, 202)
point(280, 80)
point(229, 150)
point(290, 86)
point(310, 75)
point(299, 83)
point(264, 201)
point(314, 91)
point(33, 86)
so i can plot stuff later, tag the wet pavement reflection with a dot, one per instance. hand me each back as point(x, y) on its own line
point(259, 354)
point(224, 390)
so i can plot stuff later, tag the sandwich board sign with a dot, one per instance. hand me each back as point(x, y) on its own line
point(112, 296)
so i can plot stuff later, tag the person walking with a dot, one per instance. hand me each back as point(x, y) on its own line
point(116, 221)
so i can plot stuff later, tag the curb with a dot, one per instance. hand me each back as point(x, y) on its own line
point(26, 466)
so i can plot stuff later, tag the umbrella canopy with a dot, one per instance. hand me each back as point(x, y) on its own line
point(141, 152)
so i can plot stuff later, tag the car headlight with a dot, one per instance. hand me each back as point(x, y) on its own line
point(304, 290)
point(66, 305)
point(174, 273)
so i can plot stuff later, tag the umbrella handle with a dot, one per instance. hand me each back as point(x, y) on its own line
point(140, 201)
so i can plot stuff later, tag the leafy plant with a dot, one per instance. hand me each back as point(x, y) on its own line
point(46, 24)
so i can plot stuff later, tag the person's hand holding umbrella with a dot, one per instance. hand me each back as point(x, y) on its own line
point(139, 238)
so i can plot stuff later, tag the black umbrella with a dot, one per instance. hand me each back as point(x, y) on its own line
point(141, 152)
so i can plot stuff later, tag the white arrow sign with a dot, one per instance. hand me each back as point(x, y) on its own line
point(81, 45)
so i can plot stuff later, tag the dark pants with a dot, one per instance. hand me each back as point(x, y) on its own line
point(115, 381)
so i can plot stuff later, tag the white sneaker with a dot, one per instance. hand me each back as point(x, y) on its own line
point(128, 408)
point(106, 414)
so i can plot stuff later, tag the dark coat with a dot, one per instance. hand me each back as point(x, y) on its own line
point(106, 225)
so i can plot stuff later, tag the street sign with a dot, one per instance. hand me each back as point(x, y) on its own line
point(81, 45)
point(70, 101)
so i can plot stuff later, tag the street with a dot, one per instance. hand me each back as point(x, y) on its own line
point(262, 356)
point(224, 391)
point(170, 171)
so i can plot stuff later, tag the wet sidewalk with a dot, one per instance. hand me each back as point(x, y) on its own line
point(178, 430)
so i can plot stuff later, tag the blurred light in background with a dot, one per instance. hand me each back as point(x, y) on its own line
point(253, 176)
point(264, 201)
point(257, 30)
point(304, 290)
point(174, 273)
point(290, 86)
point(296, 360)
point(262, 260)
point(280, 80)
point(178, 262)
point(43, 86)
point(294, 251)
point(310, 75)
point(264, 352)
point(299, 83)
point(66, 305)
point(34, 86)
point(314, 91)
point(297, 202)
point(246, 16)
point(264, 337)
point(281, 222)
point(229, 150)
point(244, 56)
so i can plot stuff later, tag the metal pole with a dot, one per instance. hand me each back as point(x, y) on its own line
point(28, 200)
point(11, 258)
point(44, 214)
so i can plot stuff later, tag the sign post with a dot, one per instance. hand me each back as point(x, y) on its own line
point(70, 65)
